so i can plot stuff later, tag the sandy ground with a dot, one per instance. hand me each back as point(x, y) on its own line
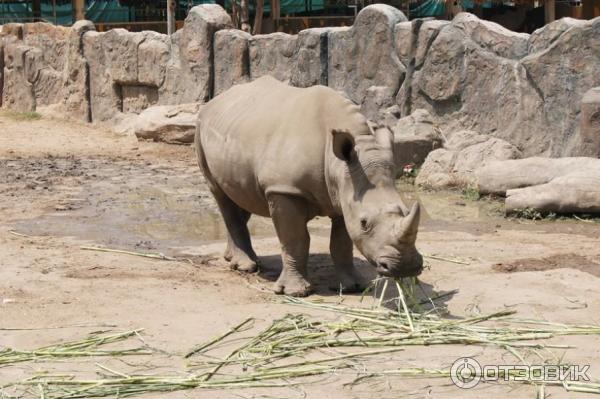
point(65, 185)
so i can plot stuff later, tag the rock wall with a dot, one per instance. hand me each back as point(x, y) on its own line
point(467, 73)
point(1, 67)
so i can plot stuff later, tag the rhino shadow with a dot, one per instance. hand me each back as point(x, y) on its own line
point(321, 275)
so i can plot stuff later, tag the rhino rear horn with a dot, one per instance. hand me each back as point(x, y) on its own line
point(384, 136)
point(409, 226)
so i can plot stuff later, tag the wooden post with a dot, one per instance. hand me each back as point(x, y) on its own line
point(275, 15)
point(170, 17)
point(79, 9)
point(276, 9)
point(258, 17)
point(36, 8)
point(54, 12)
point(245, 19)
point(549, 11)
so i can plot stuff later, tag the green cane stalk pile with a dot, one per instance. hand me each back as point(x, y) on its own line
point(298, 346)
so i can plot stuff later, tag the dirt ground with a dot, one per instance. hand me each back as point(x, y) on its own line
point(66, 185)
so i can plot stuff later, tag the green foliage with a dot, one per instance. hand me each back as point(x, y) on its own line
point(471, 193)
point(21, 116)
point(527, 213)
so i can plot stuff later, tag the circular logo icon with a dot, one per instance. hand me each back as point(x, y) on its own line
point(465, 372)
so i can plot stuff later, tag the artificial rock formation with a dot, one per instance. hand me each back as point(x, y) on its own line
point(1, 67)
point(232, 65)
point(272, 55)
point(415, 136)
point(300, 60)
point(362, 58)
point(455, 165)
point(563, 185)
point(190, 72)
point(590, 123)
point(527, 90)
point(174, 124)
point(130, 72)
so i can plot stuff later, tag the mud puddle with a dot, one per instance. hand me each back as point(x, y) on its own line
point(121, 203)
point(125, 203)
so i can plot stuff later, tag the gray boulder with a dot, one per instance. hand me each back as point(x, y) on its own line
point(492, 36)
point(474, 74)
point(590, 123)
point(104, 92)
point(561, 185)
point(127, 71)
point(272, 55)
point(415, 136)
point(190, 75)
point(232, 65)
point(173, 124)
point(1, 67)
point(310, 58)
point(34, 65)
point(364, 56)
point(18, 93)
point(454, 166)
point(76, 77)
point(153, 55)
point(543, 37)
point(300, 60)
point(467, 83)
point(561, 74)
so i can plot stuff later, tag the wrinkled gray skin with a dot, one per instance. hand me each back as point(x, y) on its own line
point(292, 154)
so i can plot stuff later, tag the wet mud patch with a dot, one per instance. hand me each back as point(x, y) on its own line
point(121, 203)
point(563, 261)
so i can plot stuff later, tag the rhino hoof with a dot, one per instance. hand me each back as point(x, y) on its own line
point(296, 289)
point(350, 281)
point(349, 288)
point(246, 265)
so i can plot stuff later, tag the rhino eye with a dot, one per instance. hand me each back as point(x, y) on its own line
point(364, 224)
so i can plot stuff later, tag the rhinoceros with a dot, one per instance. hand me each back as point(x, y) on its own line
point(292, 154)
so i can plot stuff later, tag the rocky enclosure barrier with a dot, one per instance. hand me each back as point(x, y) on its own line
point(469, 74)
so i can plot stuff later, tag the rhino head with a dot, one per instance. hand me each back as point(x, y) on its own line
point(378, 222)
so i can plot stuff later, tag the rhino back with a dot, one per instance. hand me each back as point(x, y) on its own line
point(264, 137)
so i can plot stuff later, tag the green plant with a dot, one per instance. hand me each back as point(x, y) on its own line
point(471, 193)
point(21, 116)
point(527, 213)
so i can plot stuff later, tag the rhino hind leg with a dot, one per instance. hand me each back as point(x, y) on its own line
point(239, 252)
point(341, 249)
point(290, 216)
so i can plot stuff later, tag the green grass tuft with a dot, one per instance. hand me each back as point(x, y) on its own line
point(21, 116)
point(471, 193)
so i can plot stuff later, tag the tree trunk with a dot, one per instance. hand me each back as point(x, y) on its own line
point(258, 17)
point(245, 19)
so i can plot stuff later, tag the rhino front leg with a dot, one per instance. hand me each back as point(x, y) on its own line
point(340, 247)
point(290, 215)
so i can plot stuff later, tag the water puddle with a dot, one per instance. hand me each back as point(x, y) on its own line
point(128, 204)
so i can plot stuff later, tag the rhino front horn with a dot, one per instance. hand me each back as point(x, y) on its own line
point(410, 224)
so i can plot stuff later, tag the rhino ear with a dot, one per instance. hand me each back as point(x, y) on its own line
point(342, 144)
